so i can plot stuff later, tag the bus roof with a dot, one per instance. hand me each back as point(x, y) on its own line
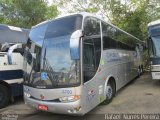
point(86, 14)
point(154, 23)
point(11, 34)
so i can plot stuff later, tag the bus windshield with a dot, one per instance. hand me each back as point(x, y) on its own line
point(156, 46)
point(57, 69)
point(154, 30)
point(57, 63)
point(63, 26)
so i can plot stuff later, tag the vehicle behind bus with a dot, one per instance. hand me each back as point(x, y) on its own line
point(154, 48)
point(12, 40)
point(76, 62)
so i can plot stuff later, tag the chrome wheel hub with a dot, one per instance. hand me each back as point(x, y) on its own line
point(109, 92)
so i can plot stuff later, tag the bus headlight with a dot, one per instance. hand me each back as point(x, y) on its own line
point(27, 94)
point(70, 98)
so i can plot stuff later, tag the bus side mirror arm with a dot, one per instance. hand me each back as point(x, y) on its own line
point(10, 51)
point(74, 44)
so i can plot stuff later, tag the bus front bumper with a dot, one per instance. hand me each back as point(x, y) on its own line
point(72, 108)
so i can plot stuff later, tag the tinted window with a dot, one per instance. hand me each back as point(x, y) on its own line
point(124, 41)
point(150, 46)
point(31, 62)
point(88, 60)
point(88, 55)
point(64, 26)
point(36, 61)
point(108, 33)
point(91, 48)
point(19, 50)
point(155, 46)
point(115, 39)
point(154, 30)
point(91, 27)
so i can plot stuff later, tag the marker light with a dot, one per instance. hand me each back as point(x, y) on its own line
point(74, 110)
point(27, 94)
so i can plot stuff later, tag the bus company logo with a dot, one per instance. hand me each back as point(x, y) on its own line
point(91, 94)
point(113, 57)
point(43, 76)
point(41, 96)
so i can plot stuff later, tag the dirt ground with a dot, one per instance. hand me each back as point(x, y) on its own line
point(141, 96)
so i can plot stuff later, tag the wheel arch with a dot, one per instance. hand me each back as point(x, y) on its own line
point(112, 79)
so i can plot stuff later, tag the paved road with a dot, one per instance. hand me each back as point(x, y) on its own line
point(141, 96)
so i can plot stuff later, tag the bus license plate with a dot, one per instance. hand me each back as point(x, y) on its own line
point(43, 107)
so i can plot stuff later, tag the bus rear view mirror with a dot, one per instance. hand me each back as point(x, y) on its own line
point(74, 44)
point(11, 49)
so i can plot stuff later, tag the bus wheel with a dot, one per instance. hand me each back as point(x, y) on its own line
point(110, 92)
point(4, 96)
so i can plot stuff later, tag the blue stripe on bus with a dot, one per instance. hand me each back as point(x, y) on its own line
point(16, 89)
point(11, 74)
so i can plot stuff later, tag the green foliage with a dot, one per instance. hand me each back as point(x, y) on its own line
point(52, 12)
point(129, 15)
point(132, 20)
point(92, 10)
point(135, 16)
point(25, 13)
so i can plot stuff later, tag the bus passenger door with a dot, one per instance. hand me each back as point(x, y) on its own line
point(88, 61)
point(91, 51)
point(89, 71)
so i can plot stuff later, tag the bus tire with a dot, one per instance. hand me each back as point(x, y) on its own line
point(110, 92)
point(4, 96)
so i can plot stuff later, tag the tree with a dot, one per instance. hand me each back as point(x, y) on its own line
point(25, 13)
point(52, 12)
point(129, 15)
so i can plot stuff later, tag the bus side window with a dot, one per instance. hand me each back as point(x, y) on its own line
point(37, 62)
point(91, 48)
point(115, 39)
point(88, 57)
point(109, 40)
point(19, 50)
point(91, 27)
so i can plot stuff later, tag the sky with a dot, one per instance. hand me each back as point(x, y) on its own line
point(50, 2)
point(69, 6)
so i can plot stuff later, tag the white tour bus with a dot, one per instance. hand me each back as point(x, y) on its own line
point(73, 63)
point(12, 40)
point(154, 48)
